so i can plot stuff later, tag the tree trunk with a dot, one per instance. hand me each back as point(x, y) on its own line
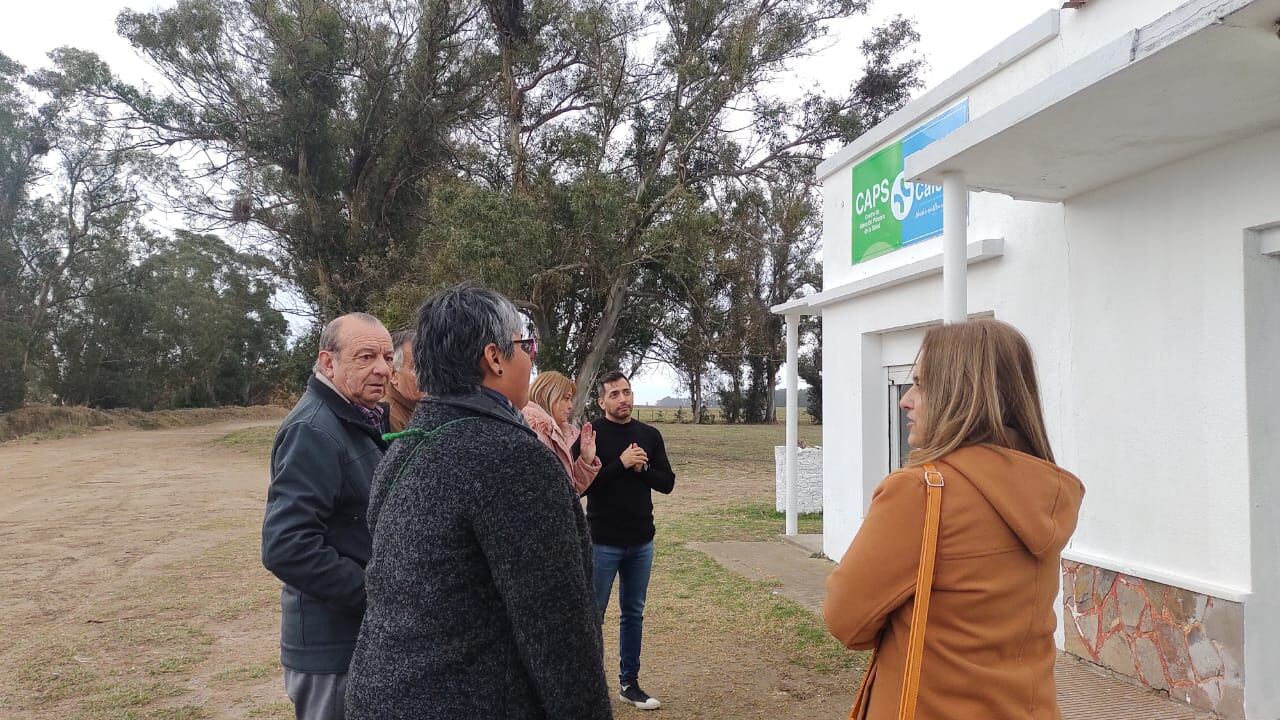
point(515, 115)
point(771, 405)
point(603, 337)
point(695, 402)
point(41, 309)
point(549, 338)
point(506, 19)
point(735, 412)
point(637, 365)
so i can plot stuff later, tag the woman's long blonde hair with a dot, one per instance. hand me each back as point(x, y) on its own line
point(548, 387)
point(978, 380)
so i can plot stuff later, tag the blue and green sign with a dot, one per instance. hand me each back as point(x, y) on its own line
point(888, 211)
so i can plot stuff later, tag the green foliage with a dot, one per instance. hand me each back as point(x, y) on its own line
point(581, 157)
point(543, 249)
point(97, 309)
point(192, 327)
point(775, 235)
point(628, 173)
point(298, 364)
point(72, 203)
point(327, 116)
point(20, 144)
point(810, 368)
point(12, 334)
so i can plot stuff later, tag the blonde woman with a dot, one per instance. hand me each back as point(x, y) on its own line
point(1006, 513)
point(550, 402)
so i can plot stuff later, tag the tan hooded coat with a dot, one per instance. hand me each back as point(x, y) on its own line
point(989, 649)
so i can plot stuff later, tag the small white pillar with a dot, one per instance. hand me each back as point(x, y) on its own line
point(793, 419)
point(955, 248)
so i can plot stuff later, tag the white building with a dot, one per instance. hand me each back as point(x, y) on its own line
point(1111, 186)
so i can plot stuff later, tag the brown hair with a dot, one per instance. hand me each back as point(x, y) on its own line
point(978, 379)
point(549, 387)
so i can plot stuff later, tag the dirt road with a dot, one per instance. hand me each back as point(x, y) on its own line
point(116, 590)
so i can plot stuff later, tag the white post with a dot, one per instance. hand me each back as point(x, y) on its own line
point(955, 248)
point(793, 418)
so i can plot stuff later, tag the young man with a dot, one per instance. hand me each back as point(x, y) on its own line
point(620, 514)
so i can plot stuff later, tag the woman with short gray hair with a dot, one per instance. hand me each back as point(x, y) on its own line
point(479, 587)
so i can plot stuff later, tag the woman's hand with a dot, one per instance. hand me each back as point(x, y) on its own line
point(587, 443)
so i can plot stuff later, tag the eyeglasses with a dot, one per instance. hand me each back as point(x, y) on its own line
point(530, 347)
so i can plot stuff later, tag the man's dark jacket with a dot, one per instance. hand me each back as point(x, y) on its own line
point(480, 605)
point(315, 537)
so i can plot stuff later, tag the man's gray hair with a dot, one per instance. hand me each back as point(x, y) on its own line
point(399, 339)
point(329, 335)
point(454, 327)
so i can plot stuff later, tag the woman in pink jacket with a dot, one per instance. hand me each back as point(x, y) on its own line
point(550, 402)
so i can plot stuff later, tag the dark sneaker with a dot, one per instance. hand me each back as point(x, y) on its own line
point(632, 693)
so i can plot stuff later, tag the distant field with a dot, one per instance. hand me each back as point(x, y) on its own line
point(652, 414)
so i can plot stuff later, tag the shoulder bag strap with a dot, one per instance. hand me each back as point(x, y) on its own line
point(924, 587)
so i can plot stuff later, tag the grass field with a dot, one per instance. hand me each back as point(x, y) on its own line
point(654, 414)
point(159, 607)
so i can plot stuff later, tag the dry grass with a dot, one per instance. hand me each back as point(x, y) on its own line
point(251, 440)
point(721, 469)
point(655, 414)
point(700, 616)
point(195, 636)
point(51, 421)
point(138, 651)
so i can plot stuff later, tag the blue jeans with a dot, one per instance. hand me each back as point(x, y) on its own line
point(632, 565)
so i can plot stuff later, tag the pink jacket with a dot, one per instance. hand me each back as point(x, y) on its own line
point(560, 438)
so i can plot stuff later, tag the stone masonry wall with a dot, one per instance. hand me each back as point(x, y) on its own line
point(808, 478)
point(1164, 637)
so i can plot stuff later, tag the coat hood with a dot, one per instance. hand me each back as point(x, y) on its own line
point(539, 419)
point(541, 422)
point(479, 400)
point(1039, 501)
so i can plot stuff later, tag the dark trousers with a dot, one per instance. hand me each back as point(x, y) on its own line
point(316, 696)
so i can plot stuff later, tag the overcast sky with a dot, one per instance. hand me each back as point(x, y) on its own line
point(952, 33)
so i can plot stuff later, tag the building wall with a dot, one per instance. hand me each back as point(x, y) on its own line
point(864, 336)
point(1157, 300)
point(1179, 641)
point(1262, 369)
point(1155, 324)
point(1081, 33)
point(1134, 300)
point(1042, 274)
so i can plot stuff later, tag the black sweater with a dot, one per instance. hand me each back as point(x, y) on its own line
point(620, 501)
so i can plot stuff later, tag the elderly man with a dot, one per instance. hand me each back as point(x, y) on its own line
point(315, 538)
point(403, 393)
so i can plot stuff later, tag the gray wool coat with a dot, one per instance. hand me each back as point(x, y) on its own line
point(479, 590)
